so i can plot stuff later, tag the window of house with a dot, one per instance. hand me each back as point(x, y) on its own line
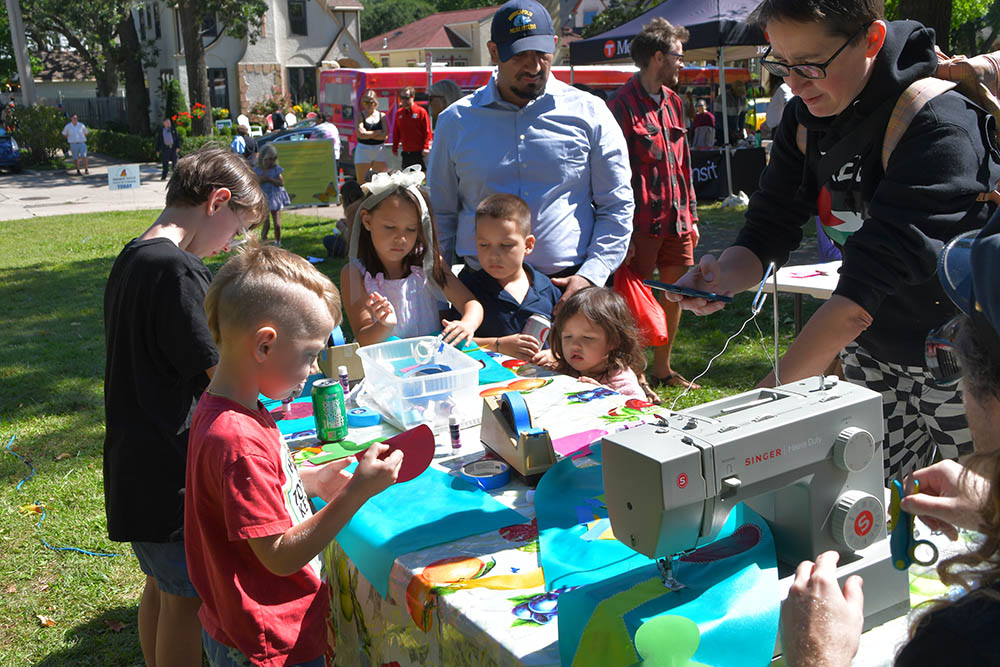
point(218, 87)
point(588, 17)
point(302, 84)
point(461, 62)
point(156, 19)
point(209, 26)
point(385, 61)
point(297, 17)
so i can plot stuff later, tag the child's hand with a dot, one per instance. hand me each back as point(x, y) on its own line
point(545, 359)
point(521, 346)
point(381, 310)
point(373, 474)
point(589, 380)
point(456, 331)
point(330, 478)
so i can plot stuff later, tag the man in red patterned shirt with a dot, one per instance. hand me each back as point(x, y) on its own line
point(665, 223)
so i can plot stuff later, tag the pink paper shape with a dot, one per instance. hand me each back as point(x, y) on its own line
point(568, 444)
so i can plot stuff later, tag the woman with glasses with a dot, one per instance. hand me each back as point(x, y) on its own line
point(847, 66)
point(372, 131)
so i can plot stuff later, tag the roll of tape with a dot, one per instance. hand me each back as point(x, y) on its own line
point(515, 411)
point(361, 417)
point(487, 475)
point(427, 369)
point(337, 337)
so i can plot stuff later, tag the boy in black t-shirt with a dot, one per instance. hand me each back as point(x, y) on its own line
point(160, 355)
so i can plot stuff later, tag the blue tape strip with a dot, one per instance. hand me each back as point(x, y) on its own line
point(337, 337)
point(362, 417)
point(513, 407)
point(487, 475)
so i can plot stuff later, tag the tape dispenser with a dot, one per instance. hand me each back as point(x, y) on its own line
point(506, 429)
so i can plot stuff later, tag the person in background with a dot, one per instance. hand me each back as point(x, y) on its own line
point(372, 131)
point(350, 195)
point(820, 623)
point(168, 145)
point(412, 130)
point(239, 143)
point(250, 153)
point(324, 129)
point(273, 184)
point(734, 114)
point(665, 223)
point(703, 126)
point(159, 358)
point(569, 161)
point(780, 95)
point(441, 95)
point(76, 136)
point(277, 119)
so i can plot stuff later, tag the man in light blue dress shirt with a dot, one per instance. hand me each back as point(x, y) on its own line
point(529, 134)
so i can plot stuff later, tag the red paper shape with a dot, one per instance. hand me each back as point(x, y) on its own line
point(417, 446)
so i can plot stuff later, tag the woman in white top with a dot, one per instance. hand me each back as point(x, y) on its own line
point(372, 131)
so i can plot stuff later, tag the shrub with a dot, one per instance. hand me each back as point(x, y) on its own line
point(123, 146)
point(191, 144)
point(175, 103)
point(39, 133)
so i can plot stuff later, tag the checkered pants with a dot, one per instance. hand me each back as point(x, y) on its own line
point(919, 417)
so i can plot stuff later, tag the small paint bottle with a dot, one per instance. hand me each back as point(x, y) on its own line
point(286, 406)
point(456, 435)
point(345, 381)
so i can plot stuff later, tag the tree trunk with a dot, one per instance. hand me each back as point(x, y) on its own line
point(130, 59)
point(933, 14)
point(191, 14)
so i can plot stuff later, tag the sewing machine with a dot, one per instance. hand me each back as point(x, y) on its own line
point(806, 456)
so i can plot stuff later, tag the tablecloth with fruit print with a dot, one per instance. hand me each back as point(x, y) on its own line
point(480, 600)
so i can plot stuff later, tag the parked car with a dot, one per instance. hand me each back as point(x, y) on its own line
point(10, 152)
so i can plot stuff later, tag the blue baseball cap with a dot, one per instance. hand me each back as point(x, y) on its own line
point(522, 25)
point(969, 270)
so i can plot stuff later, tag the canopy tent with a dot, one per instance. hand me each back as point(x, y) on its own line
point(718, 29)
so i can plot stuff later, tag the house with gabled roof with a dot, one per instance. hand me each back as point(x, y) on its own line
point(457, 38)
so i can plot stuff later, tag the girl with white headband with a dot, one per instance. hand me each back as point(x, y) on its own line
point(396, 275)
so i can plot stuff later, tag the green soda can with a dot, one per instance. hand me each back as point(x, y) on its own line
point(329, 410)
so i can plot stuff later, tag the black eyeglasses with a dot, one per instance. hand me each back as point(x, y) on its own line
point(679, 56)
point(806, 70)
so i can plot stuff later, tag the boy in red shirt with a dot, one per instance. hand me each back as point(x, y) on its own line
point(252, 539)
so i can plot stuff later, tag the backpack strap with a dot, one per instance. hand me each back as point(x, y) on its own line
point(910, 102)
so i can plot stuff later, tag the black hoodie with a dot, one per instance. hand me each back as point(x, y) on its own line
point(926, 196)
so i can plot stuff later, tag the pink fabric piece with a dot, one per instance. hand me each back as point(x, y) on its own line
point(569, 444)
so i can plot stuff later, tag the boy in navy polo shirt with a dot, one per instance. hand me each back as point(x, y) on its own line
point(510, 290)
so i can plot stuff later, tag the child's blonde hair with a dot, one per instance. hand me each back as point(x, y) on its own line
point(607, 310)
point(264, 283)
point(268, 156)
point(210, 168)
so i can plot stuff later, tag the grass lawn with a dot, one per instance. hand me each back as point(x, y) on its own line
point(52, 276)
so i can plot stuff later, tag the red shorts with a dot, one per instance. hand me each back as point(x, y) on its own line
point(660, 252)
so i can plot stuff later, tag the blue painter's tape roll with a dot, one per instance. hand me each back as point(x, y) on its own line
point(487, 475)
point(337, 337)
point(427, 369)
point(361, 417)
point(515, 410)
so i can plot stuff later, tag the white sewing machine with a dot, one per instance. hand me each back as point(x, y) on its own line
point(806, 456)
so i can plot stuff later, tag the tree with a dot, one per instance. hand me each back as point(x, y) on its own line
point(933, 14)
point(452, 5)
point(617, 13)
point(8, 64)
point(130, 59)
point(241, 20)
point(381, 16)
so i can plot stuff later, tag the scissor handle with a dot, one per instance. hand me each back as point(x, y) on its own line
point(923, 543)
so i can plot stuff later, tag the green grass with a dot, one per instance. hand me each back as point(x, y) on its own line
point(52, 276)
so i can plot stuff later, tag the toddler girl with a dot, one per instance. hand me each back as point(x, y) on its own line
point(396, 275)
point(594, 338)
point(273, 184)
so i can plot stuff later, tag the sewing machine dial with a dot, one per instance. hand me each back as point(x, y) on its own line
point(858, 520)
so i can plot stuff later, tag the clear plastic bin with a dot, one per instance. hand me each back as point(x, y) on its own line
point(423, 395)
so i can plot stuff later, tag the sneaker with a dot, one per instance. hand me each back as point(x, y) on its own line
point(78, 172)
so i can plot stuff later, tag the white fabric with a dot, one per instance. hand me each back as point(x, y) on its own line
point(75, 134)
point(415, 305)
point(775, 109)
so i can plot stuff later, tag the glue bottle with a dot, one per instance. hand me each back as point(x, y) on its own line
point(345, 381)
point(456, 437)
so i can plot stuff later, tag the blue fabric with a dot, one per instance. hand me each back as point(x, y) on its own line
point(733, 597)
point(502, 314)
point(294, 427)
point(563, 153)
point(434, 508)
point(565, 498)
point(825, 248)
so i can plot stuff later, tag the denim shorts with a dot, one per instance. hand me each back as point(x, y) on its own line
point(78, 150)
point(220, 655)
point(165, 562)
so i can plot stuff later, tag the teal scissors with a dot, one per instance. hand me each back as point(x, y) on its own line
point(902, 543)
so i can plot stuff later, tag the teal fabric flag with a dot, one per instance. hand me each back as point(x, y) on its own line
point(434, 508)
point(726, 616)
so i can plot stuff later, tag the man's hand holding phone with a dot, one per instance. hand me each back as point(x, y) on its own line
point(704, 277)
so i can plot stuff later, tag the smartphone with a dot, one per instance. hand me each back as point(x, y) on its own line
point(687, 291)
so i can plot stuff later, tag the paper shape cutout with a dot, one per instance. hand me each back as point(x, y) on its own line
point(299, 410)
point(668, 641)
point(417, 446)
point(569, 444)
